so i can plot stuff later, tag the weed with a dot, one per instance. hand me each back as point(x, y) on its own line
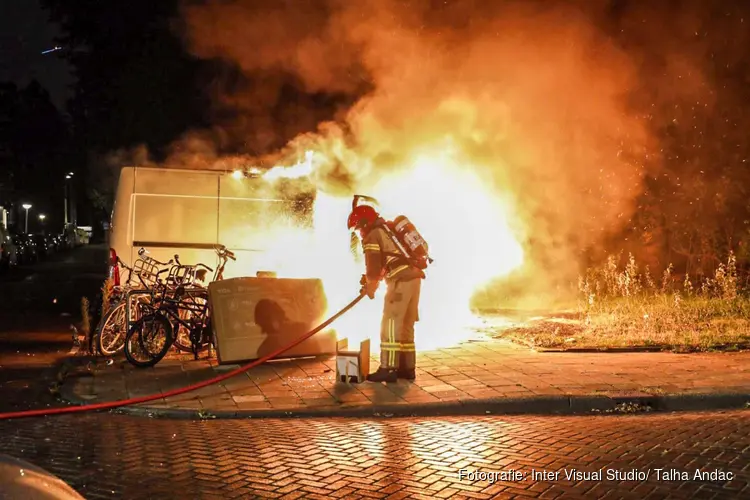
point(106, 294)
point(625, 407)
point(85, 317)
point(618, 306)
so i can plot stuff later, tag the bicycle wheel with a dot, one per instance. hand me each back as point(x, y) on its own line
point(148, 340)
point(109, 337)
point(110, 332)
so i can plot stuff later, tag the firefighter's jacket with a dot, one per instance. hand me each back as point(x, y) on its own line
point(383, 259)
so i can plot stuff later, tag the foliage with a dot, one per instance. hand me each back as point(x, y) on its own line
point(623, 305)
point(135, 82)
point(85, 317)
point(33, 137)
point(107, 287)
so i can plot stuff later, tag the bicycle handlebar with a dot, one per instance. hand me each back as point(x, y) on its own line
point(169, 263)
point(204, 266)
point(143, 253)
point(223, 251)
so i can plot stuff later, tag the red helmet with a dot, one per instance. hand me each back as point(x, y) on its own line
point(362, 216)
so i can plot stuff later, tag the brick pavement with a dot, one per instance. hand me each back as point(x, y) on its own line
point(108, 456)
point(473, 372)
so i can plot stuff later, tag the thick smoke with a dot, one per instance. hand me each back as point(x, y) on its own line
point(536, 97)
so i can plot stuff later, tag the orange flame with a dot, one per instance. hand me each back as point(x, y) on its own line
point(301, 169)
point(463, 220)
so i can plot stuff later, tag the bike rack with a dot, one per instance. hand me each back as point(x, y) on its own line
point(128, 295)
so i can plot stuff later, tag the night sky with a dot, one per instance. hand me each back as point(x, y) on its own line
point(24, 34)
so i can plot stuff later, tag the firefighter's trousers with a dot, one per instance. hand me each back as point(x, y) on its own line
point(400, 312)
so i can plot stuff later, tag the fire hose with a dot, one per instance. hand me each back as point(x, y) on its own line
point(182, 390)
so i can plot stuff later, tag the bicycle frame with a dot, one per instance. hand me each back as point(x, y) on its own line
point(170, 308)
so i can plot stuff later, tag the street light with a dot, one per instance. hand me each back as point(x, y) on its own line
point(27, 206)
point(68, 176)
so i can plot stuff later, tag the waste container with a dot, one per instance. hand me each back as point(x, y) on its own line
point(253, 317)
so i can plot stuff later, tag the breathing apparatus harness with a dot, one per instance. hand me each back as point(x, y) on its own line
point(411, 246)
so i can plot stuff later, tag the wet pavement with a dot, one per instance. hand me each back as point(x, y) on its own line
point(107, 456)
point(38, 305)
point(44, 297)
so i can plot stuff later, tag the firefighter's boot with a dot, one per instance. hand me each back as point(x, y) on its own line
point(406, 364)
point(383, 375)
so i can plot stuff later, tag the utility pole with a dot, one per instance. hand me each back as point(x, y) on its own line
point(68, 176)
point(26, 206)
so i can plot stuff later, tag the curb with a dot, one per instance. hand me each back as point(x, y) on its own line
point(718, 348)
point(542, 405)
point(604, 350)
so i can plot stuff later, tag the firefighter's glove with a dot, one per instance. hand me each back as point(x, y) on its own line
point(370, 287)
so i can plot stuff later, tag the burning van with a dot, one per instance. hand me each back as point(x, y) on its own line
point(187, 212)
point(190, 212)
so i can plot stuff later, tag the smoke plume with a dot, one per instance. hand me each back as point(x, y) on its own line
point(535, 96)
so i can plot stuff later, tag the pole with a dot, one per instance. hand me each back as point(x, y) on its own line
point(66, 203)
point(26, 227)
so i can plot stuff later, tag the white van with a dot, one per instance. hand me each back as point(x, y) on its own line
point(187, 212)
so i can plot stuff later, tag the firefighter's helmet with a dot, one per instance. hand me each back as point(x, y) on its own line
point(362, 216)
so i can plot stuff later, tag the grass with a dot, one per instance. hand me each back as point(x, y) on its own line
point(624, 307)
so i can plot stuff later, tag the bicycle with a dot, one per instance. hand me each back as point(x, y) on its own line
point(110, 333)
point(151, 336)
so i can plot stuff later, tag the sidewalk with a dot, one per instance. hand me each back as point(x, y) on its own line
point(488, 376)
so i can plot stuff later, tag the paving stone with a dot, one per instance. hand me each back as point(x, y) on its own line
point(249, 399)
point(476, 370)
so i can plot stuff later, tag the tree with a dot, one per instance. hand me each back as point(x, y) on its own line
point(33, 138)
point(694, 91)
point(138, 87)
point(135, 85)
point(135, 82)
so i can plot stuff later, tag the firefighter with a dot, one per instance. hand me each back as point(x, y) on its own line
point(384, 260)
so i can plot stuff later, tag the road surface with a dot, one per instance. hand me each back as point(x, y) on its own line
point(115, 456)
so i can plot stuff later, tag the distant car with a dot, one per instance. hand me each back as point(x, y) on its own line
point(43, 247)
point(26, 248)
point(8, 250)
point(53, 243)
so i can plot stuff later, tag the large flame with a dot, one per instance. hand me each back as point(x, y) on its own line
point(459, 214)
